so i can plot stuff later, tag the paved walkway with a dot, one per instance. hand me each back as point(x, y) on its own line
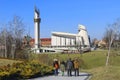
point(82, 76)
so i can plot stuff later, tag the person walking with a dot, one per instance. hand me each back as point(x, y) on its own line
point(76, 67)
point(69, 67)
point(62, 67)
point(56, 66)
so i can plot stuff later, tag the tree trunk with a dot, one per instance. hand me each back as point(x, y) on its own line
point(108, 55)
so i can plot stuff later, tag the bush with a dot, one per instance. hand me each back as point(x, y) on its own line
point(25, 70)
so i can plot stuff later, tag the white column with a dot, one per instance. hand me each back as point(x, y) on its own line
point(58, 41)
point(54, 42)
point(63, 41)
point(37, 30)
point(72, 41)
point(67, 41)
point(36, 35)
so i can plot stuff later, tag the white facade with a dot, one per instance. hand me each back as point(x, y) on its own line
point(62, 39)
point(68, 39)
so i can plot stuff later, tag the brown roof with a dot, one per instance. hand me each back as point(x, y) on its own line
point(45, 39)
point(42, 39)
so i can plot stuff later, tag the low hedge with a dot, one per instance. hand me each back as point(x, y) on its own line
point(24, 70)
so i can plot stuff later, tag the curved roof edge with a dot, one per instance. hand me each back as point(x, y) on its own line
point(63, 34)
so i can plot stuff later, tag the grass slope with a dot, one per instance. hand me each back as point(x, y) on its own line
point(93, 62)
point(105, 73)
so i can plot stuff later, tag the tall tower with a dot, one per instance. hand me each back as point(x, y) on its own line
point(82, 31)
point(37, 21)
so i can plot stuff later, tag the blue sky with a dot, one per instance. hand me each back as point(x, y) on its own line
point(63, 15)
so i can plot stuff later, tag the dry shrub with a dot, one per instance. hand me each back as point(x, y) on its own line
point(45, 59)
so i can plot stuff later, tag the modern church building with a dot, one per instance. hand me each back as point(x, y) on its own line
point(62, 39)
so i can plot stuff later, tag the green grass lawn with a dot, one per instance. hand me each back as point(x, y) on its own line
point(105, 73)
point(89, 60)
point(92, 62)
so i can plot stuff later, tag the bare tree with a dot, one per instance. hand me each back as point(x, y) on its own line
point(11, 36)
point(94, 42)
point(119, 36)
point(3, 44)
point(110, 35)
point(16, 29)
